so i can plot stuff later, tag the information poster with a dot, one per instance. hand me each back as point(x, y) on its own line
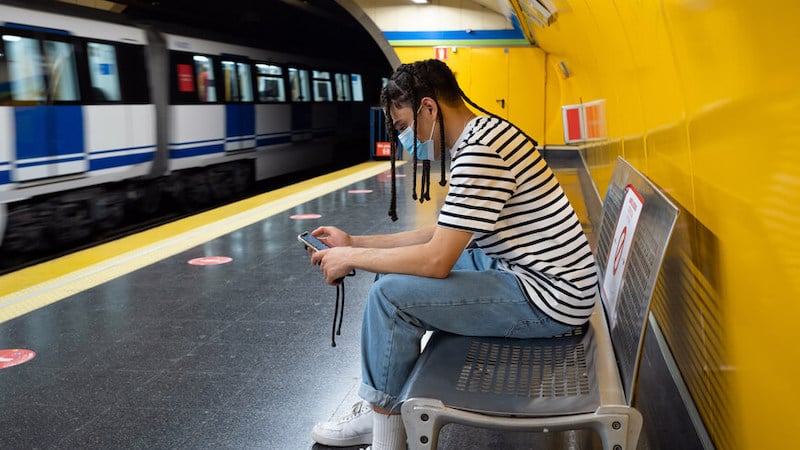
point(620, 249)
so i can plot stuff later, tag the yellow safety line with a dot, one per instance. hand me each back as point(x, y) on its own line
point(23, 291)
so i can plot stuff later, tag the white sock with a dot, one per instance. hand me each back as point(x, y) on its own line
point(388, 432)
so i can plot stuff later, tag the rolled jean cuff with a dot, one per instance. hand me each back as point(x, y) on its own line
point(381, 399)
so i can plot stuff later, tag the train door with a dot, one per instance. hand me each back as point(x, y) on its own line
point(273, 116)
point(240, 113)
point(44, 94)
point(324, 120)
point(300, 94)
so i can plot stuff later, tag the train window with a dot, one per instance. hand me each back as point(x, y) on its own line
point(358, 90)
point(323, 91)
point(103, 71)
point(24, 68)
point(298, 82)
point(206, 90)
point(41, 70)
point(238, 85)
point(343, 87)
point(133, 74)
point(270, 83)
point(245, 82)
point(5, 85)
point(61, 69)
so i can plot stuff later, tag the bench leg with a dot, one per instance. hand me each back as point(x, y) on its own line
point(422, 428)
point(619, 427)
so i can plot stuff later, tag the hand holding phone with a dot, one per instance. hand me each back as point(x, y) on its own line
point(311, 241)
point(316, 245)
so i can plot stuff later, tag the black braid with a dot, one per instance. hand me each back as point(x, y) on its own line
point(393, 203)
point(426, 181)
point(414, 101)
point(442, 178)
point(414, 161)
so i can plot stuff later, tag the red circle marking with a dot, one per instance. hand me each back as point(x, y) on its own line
point(15, 356)
point(360, 191)
point(305, 216)
point(210, 260)
point(387, 176)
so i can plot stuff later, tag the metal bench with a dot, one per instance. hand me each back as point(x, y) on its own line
point(582, 380)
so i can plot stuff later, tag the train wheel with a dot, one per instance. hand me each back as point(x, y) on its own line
point(72, 222)
point(109, 210)
point(25, 231)
point(148, 199)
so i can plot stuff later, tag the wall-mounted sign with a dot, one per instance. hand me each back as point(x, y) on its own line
point(584, 121)
point(620, 249)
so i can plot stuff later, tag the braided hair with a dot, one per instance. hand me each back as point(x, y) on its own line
point(407, 86)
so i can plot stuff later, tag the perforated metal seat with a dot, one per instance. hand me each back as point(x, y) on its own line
point(582, 380)
point(512, 377)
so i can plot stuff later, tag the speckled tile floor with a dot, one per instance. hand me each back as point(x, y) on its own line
point(229, 356)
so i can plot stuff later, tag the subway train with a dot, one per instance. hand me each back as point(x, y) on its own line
point(102, 120)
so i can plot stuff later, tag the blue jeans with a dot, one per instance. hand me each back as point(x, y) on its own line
point(476, 299)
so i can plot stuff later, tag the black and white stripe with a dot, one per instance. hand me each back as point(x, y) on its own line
point(503, 191)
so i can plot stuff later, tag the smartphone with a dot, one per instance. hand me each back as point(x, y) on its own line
point(311, 241)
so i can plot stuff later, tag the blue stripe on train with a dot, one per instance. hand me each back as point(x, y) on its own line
point(119, 161)
point(196, 151)
point(47, 163)
point(240, 138)
point(273, 140)
point(5, 177)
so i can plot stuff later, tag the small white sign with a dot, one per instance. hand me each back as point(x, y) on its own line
point(620, 249)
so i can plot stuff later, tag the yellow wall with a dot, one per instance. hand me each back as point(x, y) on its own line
point(703, 96)
point(488, 74)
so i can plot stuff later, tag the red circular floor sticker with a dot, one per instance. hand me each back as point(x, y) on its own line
point(359, 191)
point(305, 216)
point(210, 260)
point(387, 176)
point(15, 356)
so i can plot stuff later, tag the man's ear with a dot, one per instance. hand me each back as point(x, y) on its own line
point(430, 105)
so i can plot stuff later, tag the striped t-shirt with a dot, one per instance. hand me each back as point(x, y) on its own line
point(503, 191)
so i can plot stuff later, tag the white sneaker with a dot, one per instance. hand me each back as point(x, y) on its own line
point(354, 428)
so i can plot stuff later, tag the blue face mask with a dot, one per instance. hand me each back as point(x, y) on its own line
point(424, 149)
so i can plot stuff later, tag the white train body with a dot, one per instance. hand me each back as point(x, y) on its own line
point(95, 115)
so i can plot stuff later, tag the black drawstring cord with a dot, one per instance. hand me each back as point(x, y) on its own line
point(338, 311)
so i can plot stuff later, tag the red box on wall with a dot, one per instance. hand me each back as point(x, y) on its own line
point(383, 149)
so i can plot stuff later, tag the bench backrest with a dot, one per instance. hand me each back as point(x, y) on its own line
point(634, 231)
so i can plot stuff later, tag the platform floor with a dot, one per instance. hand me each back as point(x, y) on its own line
point(137, 348)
